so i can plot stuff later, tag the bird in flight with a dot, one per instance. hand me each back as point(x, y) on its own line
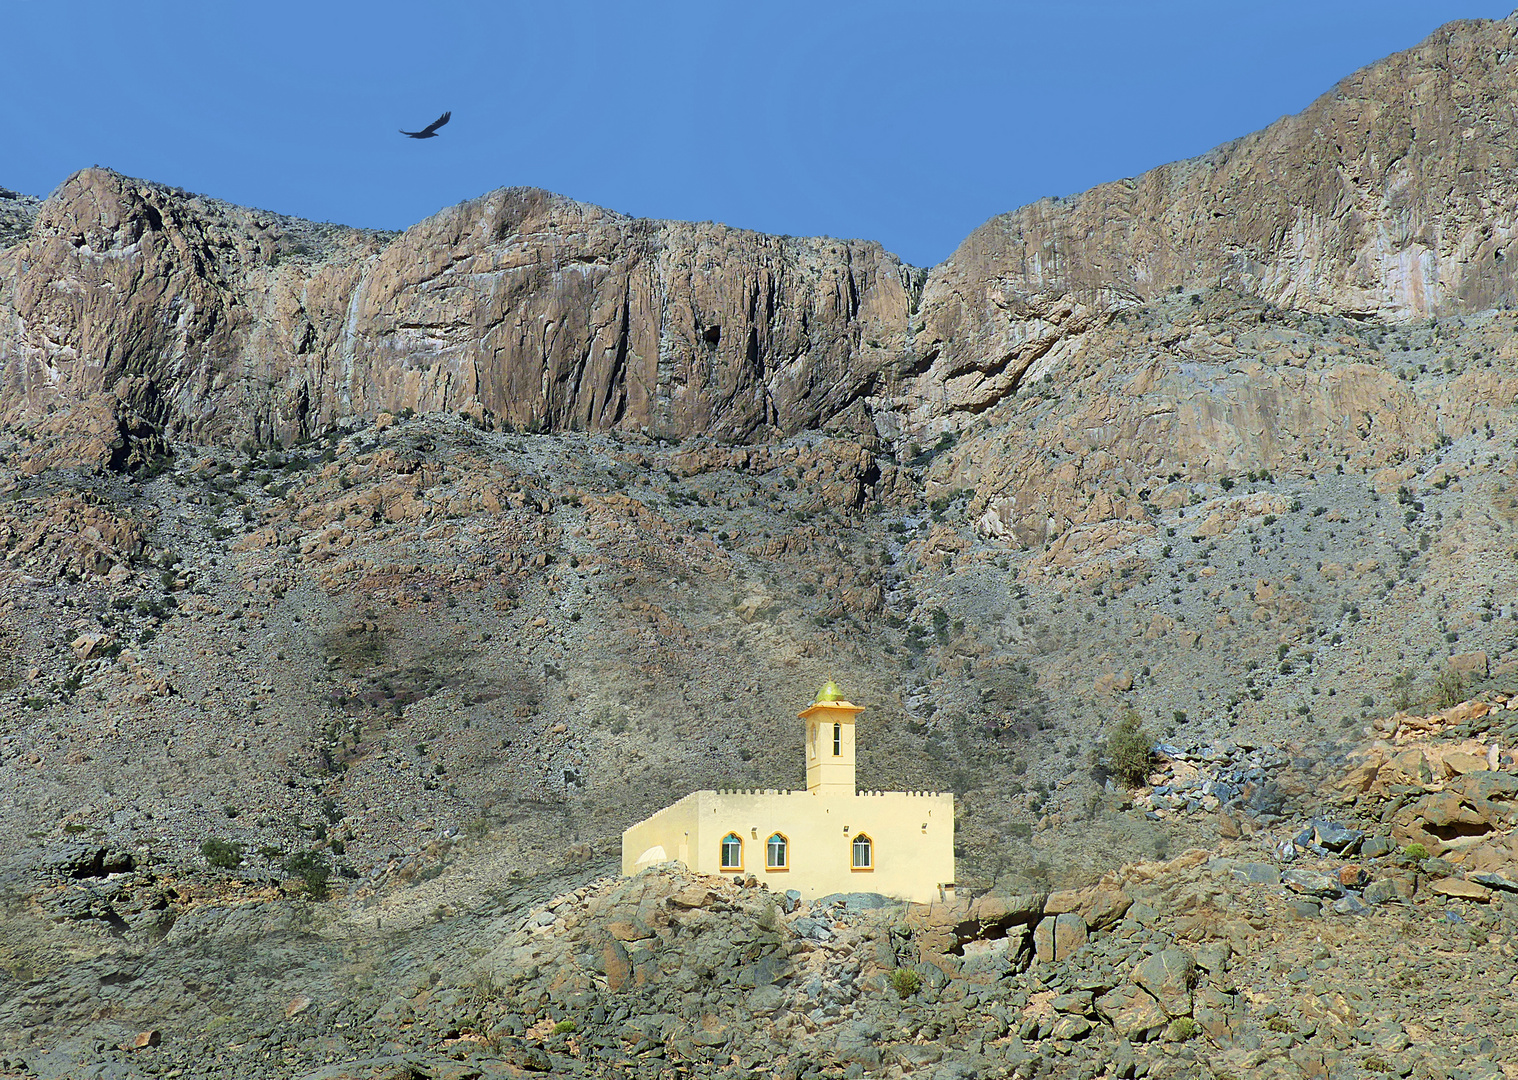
point(430, 131)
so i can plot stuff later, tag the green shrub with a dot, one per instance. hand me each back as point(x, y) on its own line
point(564, 1027)
point(1449, 687)
point(1128, 749)
point(905, 982)
point(1182, 1029)
point(222, 854)
point(1415, 851)
point(314, 870)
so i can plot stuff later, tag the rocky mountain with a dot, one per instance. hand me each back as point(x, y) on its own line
point(542, 313)
point(1391, 198)
point(360, 588)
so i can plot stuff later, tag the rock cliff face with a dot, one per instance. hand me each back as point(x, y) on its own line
point(1392, 197)
point(228, 323)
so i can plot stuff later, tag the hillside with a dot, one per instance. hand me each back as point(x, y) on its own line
point(409, 569)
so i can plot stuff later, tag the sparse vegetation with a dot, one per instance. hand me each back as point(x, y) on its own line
point(905, 982)
point(313, 869)
point(1129, 749)
point(221, 854)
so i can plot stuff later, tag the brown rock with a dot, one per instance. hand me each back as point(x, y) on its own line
point(144, 1039)
point(1459, 889)
point(1472, 663)
point(628, 930)
point(1121, 682)
point(693, 896)
point(1100, 906)
point(1354, 877)
point(619, 970)
point(88, 646)
point(1458, 763)
point(1056, 937)
point(749, 332)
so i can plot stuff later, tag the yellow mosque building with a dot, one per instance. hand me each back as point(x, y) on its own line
point(829, 838)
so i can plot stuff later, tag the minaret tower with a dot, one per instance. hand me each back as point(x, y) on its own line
point(830, 742)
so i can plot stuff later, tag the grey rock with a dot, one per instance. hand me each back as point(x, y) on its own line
point(854, 901)
point(1379, 892)
point(1213, 957)
point(808, 927)
point(1258, 873)
point(1494, 881)
point(1336, 837)
point(1310, 883)
point(74, 860)
point(1349, 904)
point(1071, 1027)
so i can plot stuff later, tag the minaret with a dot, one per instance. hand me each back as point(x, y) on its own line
point(830, 742)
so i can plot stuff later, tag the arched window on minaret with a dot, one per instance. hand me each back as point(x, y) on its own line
point(830, 774)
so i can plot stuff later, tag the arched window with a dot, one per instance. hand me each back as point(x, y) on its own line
point(777, 852)
point(864, 853)
point(732, 852)
point(837, 739)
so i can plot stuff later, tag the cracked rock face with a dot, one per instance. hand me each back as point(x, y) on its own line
point(1391, 197)
point(543, 312)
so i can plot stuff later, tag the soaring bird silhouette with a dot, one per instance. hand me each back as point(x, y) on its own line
point(430, 131)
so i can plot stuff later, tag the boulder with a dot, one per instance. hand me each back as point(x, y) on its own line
point(1168, 976)
point(1459, 889)
point(1100, 906)
point(1310, 883)
point(1056, 937)
point(1133, 1012)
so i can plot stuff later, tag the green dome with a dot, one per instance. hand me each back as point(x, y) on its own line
point(829, 692)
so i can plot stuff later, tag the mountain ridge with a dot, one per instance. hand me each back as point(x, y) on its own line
point(594, 319)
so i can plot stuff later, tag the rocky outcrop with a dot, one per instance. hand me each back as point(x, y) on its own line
point(1393, 196)
point(17, 212)
point(520, 305)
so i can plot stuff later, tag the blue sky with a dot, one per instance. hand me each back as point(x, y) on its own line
point(907, 123)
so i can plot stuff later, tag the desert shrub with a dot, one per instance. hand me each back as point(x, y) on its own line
point(564, 1027)
point(1415, 851)
point(314, 870)
point(1449, 688)
point(905, 982)
point(221, 853)
point(1182, 1028)
point(1128, 749)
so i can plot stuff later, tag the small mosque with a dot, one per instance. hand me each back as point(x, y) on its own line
point(829, 838)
